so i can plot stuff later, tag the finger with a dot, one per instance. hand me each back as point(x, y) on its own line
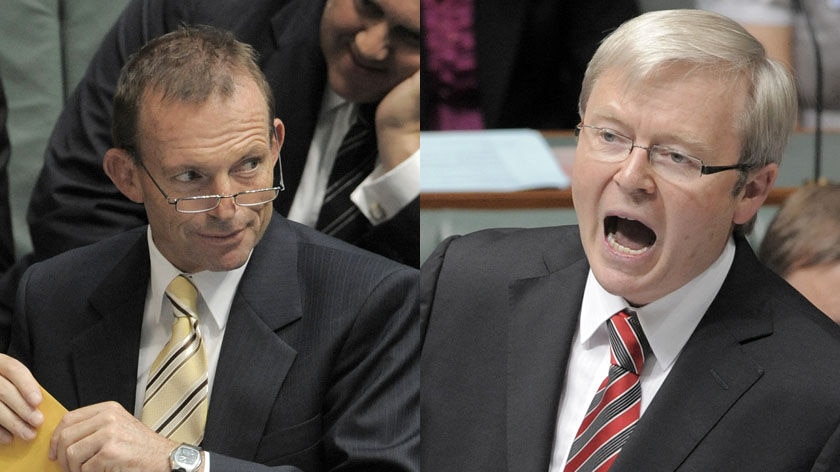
point(11, 423)
point(19, 376)
point(78, 424)
point(5, 437)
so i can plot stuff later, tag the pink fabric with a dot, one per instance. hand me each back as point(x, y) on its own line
point(451, 60)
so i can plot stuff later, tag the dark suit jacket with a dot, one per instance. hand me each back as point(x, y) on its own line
point(756, 387)
point(531, 56)
point(74, 203)
point(7, 242)
point(318, 366)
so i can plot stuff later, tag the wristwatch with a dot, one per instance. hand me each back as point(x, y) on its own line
point(185, 458)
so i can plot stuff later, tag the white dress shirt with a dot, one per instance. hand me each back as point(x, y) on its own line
point(667, 324)
point(216, 290)
point(379, 197)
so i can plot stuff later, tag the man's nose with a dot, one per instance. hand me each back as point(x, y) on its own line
point(372, 42)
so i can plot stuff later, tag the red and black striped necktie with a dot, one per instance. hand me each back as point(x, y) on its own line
point(614, 411)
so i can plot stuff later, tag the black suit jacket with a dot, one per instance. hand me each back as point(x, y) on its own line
point(74, 203)
point(531, 56)
point(7, 242)
point(754, 389)
point(318, 366)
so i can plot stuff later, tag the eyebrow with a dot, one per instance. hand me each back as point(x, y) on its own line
point(668, 140)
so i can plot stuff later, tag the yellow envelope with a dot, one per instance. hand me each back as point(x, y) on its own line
point(34, 455)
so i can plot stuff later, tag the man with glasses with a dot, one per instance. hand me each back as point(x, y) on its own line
point(221, 336)
point(648, 337)
point(327, 62)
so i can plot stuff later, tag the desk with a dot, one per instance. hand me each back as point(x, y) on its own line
point(444, 214)
point(548, 198)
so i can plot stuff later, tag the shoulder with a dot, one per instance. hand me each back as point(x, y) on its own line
point(317, 258)
point(90, 264)
point(765, 303)
point(513, 249)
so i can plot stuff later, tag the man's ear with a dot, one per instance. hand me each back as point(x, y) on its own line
point(126, 175)
point(759, 183)
point(280, 134)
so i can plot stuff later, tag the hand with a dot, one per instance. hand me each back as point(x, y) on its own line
point(20, 396)
point(106, 437)
point(398, 122)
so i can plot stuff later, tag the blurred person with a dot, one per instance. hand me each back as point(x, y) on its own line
point(802, 244)
point(286, 349)
point(783, 27)
point(649, 337)
point(497, 64)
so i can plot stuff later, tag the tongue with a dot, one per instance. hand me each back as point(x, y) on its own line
point(632, 234)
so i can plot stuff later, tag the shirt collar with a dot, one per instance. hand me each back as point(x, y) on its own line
point(667, 322)
point(332, 101)
point(217, 289)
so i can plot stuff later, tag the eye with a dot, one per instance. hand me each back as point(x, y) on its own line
point(609, 136)
point(188, 176)
point(248, 165)
point(678, 158)
point(672, 156)
point(406, 36)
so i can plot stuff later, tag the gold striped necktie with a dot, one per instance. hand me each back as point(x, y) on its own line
point(176, 392)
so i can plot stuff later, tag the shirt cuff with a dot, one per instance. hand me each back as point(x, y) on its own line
point(383, 194)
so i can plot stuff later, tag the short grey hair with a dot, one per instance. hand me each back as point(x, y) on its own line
point(188, 65)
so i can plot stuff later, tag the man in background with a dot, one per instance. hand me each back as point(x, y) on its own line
point(802, 244)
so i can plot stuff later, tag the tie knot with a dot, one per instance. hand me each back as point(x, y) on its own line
point(184, 296)
point(627, 341)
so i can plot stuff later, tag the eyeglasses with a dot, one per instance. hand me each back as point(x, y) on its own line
point(202, 203)
point(610, 146)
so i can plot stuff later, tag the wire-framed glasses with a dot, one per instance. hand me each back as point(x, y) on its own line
point(203, 203)
point(610, 146)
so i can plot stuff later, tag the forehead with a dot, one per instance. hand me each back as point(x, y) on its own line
point(173, 127)
point(681, 98)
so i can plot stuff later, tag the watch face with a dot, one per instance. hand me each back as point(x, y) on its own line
point(186, 458)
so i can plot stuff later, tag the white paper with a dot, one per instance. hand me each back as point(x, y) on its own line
point(488, 161)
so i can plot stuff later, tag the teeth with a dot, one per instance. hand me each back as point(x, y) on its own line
point(626, 250)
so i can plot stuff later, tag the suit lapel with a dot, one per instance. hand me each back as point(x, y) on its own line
point(544, 313)
point(254, 361)
point(708, 378)
point(105, 355)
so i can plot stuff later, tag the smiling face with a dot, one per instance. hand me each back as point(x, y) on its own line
point(370, 46)
point(644, 236)
point(222, 146)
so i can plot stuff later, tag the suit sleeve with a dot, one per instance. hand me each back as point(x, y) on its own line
point(829, 458)
point(372, 418)
point(397, 238)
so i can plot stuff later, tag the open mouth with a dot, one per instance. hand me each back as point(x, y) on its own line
point(628, 236)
